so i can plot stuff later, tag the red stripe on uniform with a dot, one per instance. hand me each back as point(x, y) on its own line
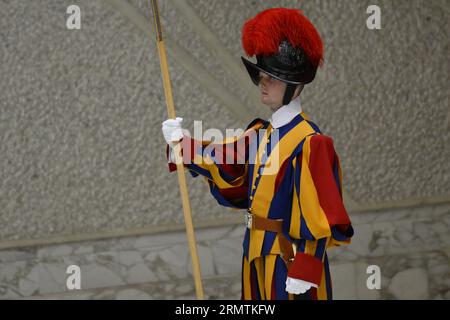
point(273, 293)
point(313, 293)
point(235, 194)
point(280, 175)
point(321, 163)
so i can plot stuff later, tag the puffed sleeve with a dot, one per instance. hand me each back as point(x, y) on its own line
point(223, 164)
point(318, 219)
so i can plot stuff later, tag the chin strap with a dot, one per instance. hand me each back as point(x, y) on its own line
point(289, 93)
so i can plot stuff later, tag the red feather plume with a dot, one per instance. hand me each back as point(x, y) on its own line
point(263, 33)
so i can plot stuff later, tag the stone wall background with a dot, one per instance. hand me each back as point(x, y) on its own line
point(410, 246)
point(83, 162)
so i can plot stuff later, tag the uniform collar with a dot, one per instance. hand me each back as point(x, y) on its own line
point(286, 113)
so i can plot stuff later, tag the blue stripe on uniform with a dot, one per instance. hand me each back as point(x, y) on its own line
point(336, 176)
point(320, 248)
point(280, 276)
point(328, 284)
point(199, 170)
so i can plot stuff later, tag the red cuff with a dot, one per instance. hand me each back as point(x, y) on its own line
point(306, 267)
point(172, 166)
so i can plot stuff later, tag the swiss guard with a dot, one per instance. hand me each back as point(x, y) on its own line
point(284, 171)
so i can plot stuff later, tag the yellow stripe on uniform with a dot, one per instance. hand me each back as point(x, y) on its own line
point(269, 272)
point(260, 276)
point(294, 230)
point(246, 281)
point(322, 289)
point(206, 163)
point(265, 189)
point(213, 169)
point(257, 236)
point(310, 247)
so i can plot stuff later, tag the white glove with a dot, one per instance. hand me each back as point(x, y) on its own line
point(172, 130)
point(297, 286)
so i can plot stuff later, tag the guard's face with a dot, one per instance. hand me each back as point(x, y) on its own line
point(272, 90)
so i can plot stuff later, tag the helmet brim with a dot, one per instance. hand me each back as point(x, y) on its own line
point(253, 70)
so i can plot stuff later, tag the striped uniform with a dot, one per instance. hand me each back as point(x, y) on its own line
point(294, 175)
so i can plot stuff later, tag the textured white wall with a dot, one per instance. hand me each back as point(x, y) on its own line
point(81, 110)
